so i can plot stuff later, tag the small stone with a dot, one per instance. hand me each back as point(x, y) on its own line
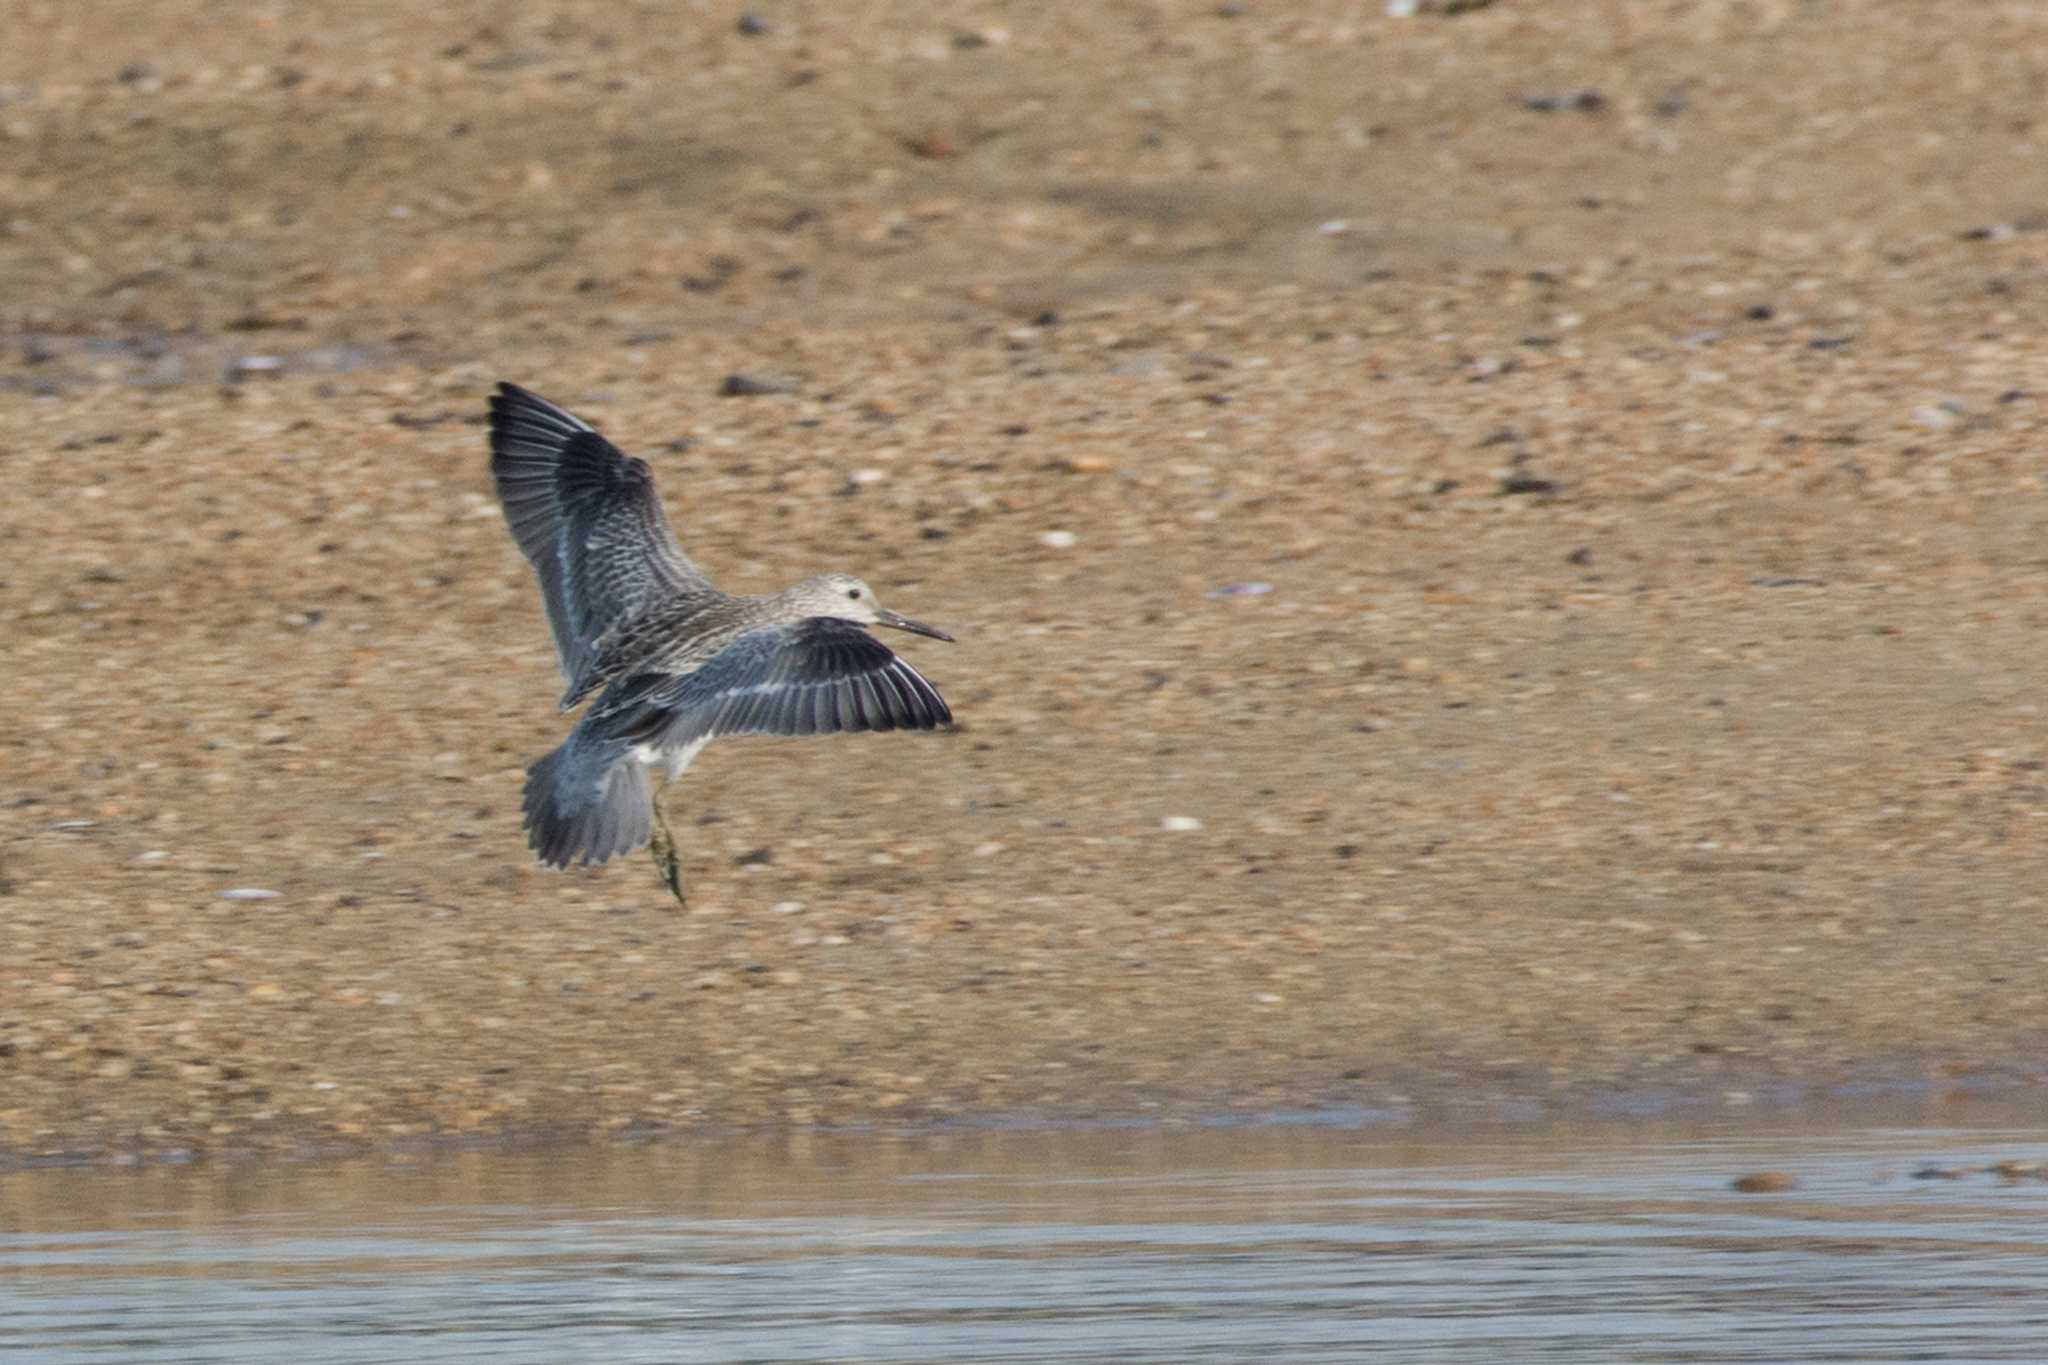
point(1584, 101)
point(1241, 590)
point(249, 893)
point(1764, 1182)
point(1180, 824)
point(250, 366)
point(266, 990)
point(1058, 540)
point(740, 385)
point(752, 25)
point(1517, 484)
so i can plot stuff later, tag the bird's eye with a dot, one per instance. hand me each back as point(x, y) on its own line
point(853, 593)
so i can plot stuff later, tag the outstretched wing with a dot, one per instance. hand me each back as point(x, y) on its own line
point(819, 676)
point(587, 518)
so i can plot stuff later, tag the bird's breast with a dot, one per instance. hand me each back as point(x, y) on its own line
point(675, 757)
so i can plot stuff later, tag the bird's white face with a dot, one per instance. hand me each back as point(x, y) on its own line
point(843, 596)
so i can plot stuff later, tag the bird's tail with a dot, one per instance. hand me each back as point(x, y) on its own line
point(586, 802)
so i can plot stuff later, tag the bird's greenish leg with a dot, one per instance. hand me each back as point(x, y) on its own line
point(667, 861)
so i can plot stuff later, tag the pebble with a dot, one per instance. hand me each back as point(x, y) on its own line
point(1241, 590)
point(1764, 1182)
point(742, 385)
point(1180, 824)
point(1583, 101)
point(1408, 9)
point(1058, 540)
point(249, 893)
point(247, 366)
point(1517, 484)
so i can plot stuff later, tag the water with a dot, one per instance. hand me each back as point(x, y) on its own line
point(1603, 1243)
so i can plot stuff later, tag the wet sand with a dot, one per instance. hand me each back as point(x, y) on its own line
point(1552, 602)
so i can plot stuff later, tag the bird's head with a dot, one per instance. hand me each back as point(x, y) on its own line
point(849, 599)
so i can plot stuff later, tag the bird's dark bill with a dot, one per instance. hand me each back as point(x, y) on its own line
point(890, 618)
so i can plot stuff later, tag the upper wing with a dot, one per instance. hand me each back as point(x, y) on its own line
point(819, 676)
point(587, 518)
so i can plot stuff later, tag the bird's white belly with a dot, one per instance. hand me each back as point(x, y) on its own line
point(675, 759)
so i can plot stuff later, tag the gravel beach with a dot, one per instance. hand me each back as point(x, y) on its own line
point(1495, 554)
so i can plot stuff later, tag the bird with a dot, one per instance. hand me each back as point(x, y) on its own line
point(667, 661)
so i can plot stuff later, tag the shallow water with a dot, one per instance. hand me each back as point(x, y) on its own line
point(1604, 1242)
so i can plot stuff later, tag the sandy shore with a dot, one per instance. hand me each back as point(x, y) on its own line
point(1552, 600)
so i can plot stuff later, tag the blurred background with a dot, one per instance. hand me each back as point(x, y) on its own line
point(1496, 554)
point(1495, 549)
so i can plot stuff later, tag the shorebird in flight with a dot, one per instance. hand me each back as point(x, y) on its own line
point(673, 662)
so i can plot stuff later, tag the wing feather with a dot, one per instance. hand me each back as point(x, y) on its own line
point(819, 676)
point(588, 520)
